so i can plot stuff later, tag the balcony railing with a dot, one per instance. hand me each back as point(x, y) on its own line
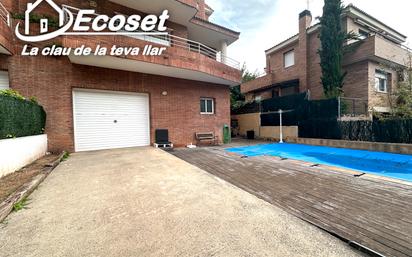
point(175, 41)
point(4, 15)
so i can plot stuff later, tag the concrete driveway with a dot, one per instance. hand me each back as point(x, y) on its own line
point(146, 202)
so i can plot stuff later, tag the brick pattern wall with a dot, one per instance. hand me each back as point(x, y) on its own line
point(52, 80)
point(314, 69)
point(375, 98)
point(173, 56)
point(357, 80)
point(6, 37)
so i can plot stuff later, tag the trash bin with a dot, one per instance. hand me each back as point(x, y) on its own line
point(250, 134)
point(227, 138)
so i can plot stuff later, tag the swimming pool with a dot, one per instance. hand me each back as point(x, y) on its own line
point(397, 166)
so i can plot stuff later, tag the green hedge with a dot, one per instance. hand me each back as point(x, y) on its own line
point(384, 131)
point(19, 117)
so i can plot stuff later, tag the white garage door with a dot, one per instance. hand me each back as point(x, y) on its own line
point(106, 120)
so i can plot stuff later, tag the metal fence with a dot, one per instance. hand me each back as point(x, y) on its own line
point(352, 107)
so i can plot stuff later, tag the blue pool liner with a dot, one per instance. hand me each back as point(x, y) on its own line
point(398, 166)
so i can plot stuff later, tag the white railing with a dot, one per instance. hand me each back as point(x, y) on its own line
point(174, 41)
point(5, 15)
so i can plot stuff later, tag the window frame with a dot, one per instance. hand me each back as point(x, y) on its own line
point(6, 74)
point(292, 51)
point(381, 75)
point(206, 99)
point(363, 34)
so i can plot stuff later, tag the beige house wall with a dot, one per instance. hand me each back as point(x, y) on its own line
point(273, 133)
point(251, 121)
point(247, 122)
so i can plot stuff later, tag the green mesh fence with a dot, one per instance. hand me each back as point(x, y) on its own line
point(19, 118)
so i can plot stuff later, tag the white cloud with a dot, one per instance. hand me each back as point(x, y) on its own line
point(264, 23)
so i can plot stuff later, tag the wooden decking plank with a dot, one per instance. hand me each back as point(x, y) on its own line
point(366, 211)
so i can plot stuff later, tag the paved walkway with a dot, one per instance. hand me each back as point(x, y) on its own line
point(367, 211)
point(145, 202)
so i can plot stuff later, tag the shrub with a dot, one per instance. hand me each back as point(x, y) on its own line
point(20, 117)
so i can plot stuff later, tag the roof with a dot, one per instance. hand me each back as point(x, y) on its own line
point(370, 16)
point(236, 33)
point(292, 39)
point(314, 27)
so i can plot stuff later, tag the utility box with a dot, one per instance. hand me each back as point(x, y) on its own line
point(227, 137)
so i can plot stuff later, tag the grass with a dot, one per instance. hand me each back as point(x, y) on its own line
point(21, 205)
point(66, 156)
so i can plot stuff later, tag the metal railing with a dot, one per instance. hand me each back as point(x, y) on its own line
point(5, 15)
point(175, 41)
point(352, 107)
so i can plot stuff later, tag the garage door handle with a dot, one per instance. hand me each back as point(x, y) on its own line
point(115, 121)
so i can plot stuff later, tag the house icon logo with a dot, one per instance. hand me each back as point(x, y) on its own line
point(66, 20)
point(44, 23)
point(82, 23)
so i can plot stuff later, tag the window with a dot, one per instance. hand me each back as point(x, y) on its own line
point(289, 59)
point(363, 34)
point(381, 81)
point(207, 106)
point(4, 80)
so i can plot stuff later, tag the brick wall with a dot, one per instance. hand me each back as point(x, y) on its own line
point(356, 80)
point(375, 98)
point(314, 69)
point(51, 80)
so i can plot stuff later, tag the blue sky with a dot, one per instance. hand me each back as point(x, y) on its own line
point(264, 23)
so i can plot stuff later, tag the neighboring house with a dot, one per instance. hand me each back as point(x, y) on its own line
point(373, 65)
point(102, 102)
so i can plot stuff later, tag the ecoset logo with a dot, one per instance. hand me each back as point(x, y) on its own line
point(87, 22)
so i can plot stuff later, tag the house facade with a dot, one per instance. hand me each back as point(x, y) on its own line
point(102, 102)
point(374, 63)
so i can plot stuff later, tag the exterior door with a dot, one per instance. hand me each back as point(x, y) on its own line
point(108, 119)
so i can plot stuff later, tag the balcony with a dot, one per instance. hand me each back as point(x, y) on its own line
point(183, 58)
point(6, 35)
point(377, 48)
point(183, 12)
point(257, 84)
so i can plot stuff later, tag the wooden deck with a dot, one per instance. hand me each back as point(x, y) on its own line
point(372, 213)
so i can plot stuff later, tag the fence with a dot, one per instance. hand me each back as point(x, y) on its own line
point(19, 118)
point(352, 107)
point(385, 131)
point(253, 107)
point(300, 109)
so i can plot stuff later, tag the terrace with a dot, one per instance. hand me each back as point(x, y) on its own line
point(368, 212)
point(184, 58)
point(377, 48)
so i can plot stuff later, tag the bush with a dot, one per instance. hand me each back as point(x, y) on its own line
point(20, 117)
point(385, 131)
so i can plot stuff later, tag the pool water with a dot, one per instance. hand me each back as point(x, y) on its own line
point(397, 166)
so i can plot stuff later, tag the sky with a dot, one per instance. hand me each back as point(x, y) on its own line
point(265, 23)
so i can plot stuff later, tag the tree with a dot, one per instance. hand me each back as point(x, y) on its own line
point(332, 38)
point(401, 98)
point(237, 99)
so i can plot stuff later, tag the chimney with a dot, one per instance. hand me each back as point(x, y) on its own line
point(305, 20)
